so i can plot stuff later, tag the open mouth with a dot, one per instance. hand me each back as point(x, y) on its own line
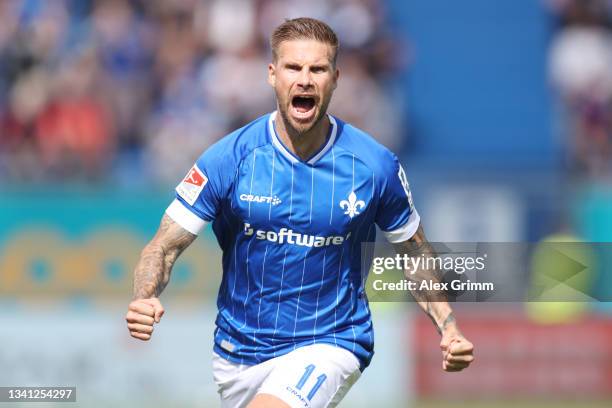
point(303, 104)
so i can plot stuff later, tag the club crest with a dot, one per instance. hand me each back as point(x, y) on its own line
point(352, 206)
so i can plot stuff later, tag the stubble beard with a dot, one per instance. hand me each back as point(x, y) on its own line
point(298, 129)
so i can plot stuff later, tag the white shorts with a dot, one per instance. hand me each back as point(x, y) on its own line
point(314, 376)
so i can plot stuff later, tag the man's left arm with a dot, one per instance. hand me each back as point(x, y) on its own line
point(457, 351)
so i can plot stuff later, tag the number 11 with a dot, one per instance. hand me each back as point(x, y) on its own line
point(320, 379)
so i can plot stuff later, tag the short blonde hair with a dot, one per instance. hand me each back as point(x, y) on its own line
point(304, 28)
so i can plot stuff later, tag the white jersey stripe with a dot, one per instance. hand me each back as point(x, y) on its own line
point(263, 272)
point(363, 282)
point(331, 211)
point(291, 196)
point(297, 307)
point(235, 278)
point(280, 291)
point(353, 320)
point(364, 272)
point(314, 330)
point(311, 192)
point(271, 189)
point(338, 295)
point(352, 305)
point(246, 297)
point(224, 216)
point(252, 174)
point(353, 183)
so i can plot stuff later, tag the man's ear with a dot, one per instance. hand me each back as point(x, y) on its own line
point(336, 76)
point(272, 75)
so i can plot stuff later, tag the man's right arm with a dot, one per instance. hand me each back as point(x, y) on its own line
point(152, 274)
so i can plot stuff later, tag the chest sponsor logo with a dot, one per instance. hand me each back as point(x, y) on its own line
point(352, 206)
point(192, 185)
point(289, 236)
point(252, 198)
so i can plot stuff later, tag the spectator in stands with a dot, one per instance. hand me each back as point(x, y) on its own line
point(100, 89)
point(581, 71)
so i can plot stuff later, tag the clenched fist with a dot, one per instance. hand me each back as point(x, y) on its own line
point(141, 315)
point(457, 351)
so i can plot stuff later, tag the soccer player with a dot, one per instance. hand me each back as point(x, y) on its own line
point(291, 197)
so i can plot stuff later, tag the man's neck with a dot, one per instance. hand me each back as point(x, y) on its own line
point(306, 144)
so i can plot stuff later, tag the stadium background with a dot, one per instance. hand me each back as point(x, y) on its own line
point(500, 110)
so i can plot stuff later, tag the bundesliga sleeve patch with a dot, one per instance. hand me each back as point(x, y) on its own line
point(192, 185)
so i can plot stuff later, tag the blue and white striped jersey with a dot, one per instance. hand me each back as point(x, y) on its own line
point(291, 234)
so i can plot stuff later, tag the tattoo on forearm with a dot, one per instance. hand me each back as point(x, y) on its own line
point(440, 327)
point(449, 319)
point(153, 270)
point(433, 302)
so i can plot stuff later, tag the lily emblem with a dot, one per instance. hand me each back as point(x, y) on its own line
point(352, 206)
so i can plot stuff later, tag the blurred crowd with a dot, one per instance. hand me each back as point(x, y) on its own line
point(581, 72)
point(131, 91)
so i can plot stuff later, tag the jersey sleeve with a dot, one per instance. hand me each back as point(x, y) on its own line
point(396, 215)
point(200, 194)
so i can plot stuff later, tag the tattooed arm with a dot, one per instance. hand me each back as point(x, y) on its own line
point(157, 258)
point(457, 351)
point(152, 274)
point(433, 302)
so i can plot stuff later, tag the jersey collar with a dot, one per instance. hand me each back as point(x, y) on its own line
point(285, 152)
